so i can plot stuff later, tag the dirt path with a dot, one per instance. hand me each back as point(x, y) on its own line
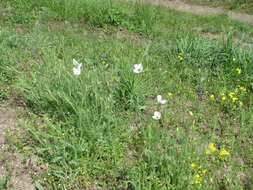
point(201, 10)
point(14, 170)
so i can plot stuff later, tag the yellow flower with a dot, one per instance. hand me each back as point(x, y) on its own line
point(197, 179)
point(193, 165)
point(238, 70)
point(243, 89)
point(212, 96)
point(231, 94)
point(197, 176)
point(212, 147)
point(223, 152)
point(180, 57)
point(204, 171)
point(241, 103)
point(170, 94)
point(234, 99)
point(223, 98)
point(222, 94)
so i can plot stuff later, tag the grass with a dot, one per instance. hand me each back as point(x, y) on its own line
point(241, 5)
point(144, 19)
point(96, 129)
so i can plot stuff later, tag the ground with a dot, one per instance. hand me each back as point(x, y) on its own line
point(198, 9)
point(14, 170)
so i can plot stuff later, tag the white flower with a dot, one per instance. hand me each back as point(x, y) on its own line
point(157, 115)
point(75, 62)
point(77, 67)
point(138, 68)
point(160, 100)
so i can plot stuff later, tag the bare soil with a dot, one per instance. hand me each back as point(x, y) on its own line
point(14, 166)
point(201, 10)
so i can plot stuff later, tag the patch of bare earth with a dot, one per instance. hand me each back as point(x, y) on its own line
point(201, 10)
point(13, 166)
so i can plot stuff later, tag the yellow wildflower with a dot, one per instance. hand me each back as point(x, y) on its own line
point(231, 94)
point(170, 94)
point(193, 165)
point(243, 89)
point(197, 179)
point(223, 98)
point(238, 70)
point(204, 171)
point(222, 94)
point(180, 57)
point(212, 147)
point(223, 152)
point(197, 176)
point(212, 96)
point(241, 103)
point(234, 99)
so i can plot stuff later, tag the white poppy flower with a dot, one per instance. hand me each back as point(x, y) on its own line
point(77, 67)
point(75, 62)
point(157, 115)
point(138, 68)
point(160, 100)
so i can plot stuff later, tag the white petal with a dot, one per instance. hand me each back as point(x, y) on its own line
point(163, 102)
point(157, 115)
point(137, 71)
point(79, 65)
point(138, 68)
point(159, 98)
point(76, 71)
point(75, 62)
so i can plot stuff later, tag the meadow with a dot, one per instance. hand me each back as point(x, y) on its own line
point(88, 75)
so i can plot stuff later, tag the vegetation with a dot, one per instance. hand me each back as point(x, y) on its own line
point(96, 130)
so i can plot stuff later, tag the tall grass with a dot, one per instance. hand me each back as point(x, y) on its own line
point(99, 13)
point(140, 17)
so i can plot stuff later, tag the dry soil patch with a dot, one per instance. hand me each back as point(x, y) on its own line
point(12, 164)
point(201, 10)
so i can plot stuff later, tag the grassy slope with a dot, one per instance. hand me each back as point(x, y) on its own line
point(97, 128)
